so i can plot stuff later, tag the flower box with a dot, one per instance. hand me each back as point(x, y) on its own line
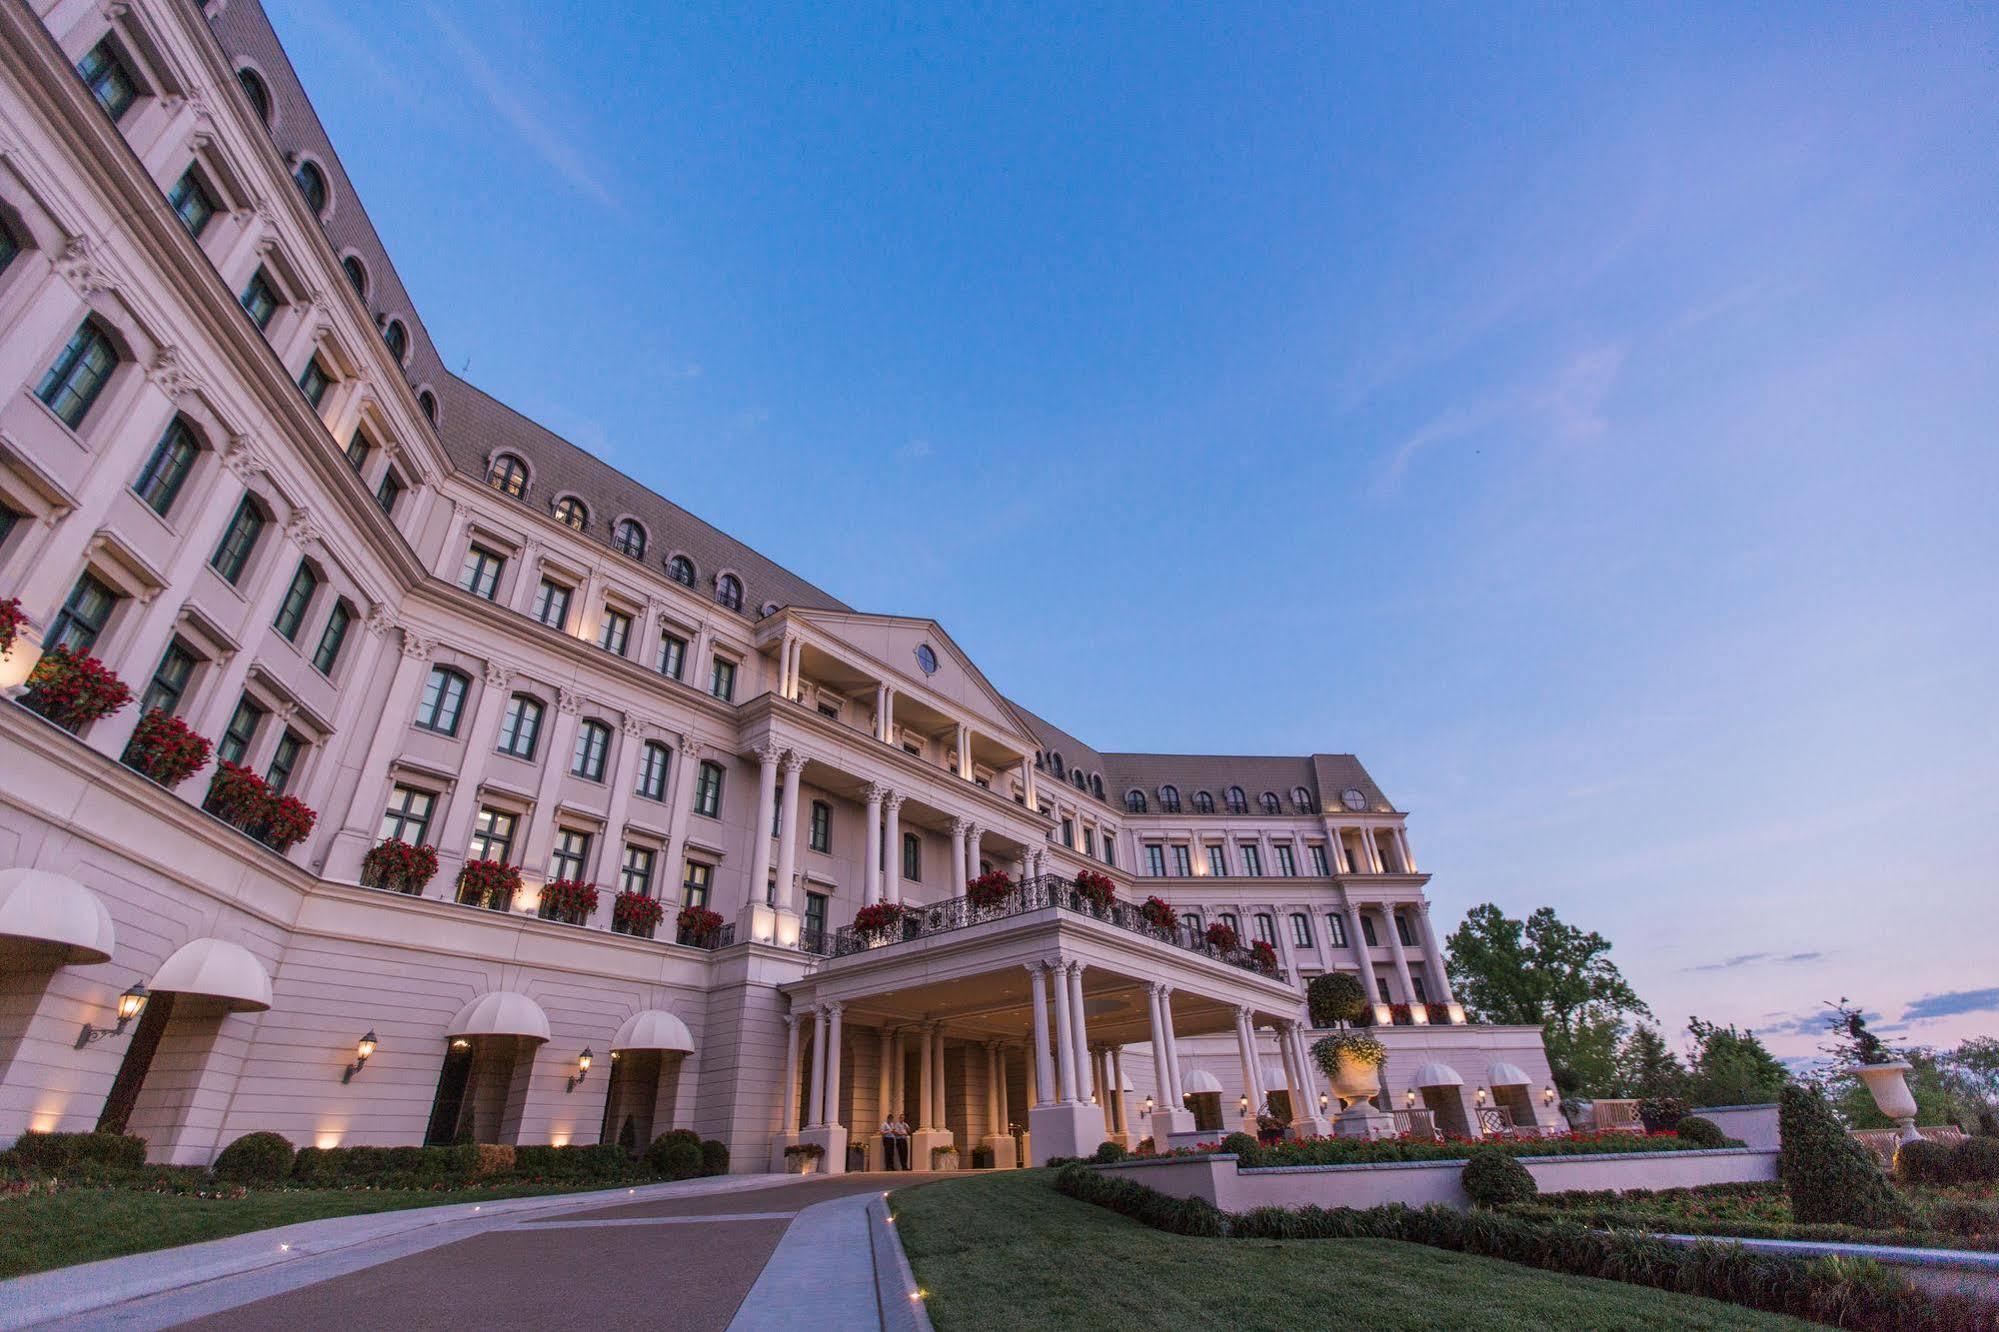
point(1400, 1016)
point(944, 1157)
point(802, 1158)
point(697, 925)
point(989, 891)
point(1159, 914)
point(72, 690)
point(635, 914)
point(1219, 935)
point(165, 749)
point(489, 883)
point(398, 866)
point(241, 798)
point(1439, 1014)
point(1096, 890)
point(878, 922)
point(568, 901)
point(1264, 956)
point(12, 618)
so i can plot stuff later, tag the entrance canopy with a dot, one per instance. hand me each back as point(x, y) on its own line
point(654, 1030)
point(1435, 1075)
point(500, 1013)
point(40, 906)
point(215, 969)
point(1508, 1075)
point(1199, 1080)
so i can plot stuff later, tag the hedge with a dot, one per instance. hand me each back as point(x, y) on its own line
point(255, 1158)
point(1847, 1293)
point(1612, 1217)
point(1358, 1151)
point(387, 1167)
point(54, 1153)
point(1491, 1177)
point(1829, 1176)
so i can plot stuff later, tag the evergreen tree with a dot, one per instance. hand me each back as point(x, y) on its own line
point(1830, 1178)
point(1647, 1067)
point(1730, 1067)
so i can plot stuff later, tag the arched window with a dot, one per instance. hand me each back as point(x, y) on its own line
point(77, 377)
point(593, 746)
point(1097, 785)
point(708, 790)
point(357, 274)
point(569, 511)
point(521, 726)
point(1301, 800)
point(729, 591)
point(1270, 802)
point(1134, 801)
point(397, 339)
point(10, 245)
point(681, 570)
point(1082, 782)
point(1055, 765)
point(1203, 803)
point(312, 185)
point(1169, 800)
point(653, 762)
point(443, 700)
point(253, 88)
point(1041, 759)
point(1238, 802)
point(509, 476)
point(428, 401)
point(629, 538)
point(173, 457)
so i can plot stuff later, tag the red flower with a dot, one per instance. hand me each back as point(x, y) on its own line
point(1157, 912)
point(568, 900)
point(697, 924)
point(1264, 956)
point(1096, 889)
point(989, 890)
point(635, 913)
point(166, 749)
point(489, 883)
point(878, 921)
point(398, 866)
point(12, 617)
point(240, 797)
point(73, 690)
point(1220, 936)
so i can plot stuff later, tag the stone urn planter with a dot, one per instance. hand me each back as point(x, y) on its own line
point(1356, 1082)
point(1888, 1085)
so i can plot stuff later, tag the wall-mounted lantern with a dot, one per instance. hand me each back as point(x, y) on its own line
point(364, 1050)
point(582, 1067)
point(130, 1005)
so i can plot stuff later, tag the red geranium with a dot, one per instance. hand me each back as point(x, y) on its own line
point(240, 797)
point(166, 749)
point(635, 913)
point(489, 883)
point(73, 690)
point(697, 924)
point(1220, 936)
point(1439, 1014)
point(1096, 889)
point(287, 821)
point(878, 921)
point(1264, 956)
point(1398, 1015)
point(12, 617)
point(568, 900)
point(398, 866)
point(1156, 912)
point(989, 890)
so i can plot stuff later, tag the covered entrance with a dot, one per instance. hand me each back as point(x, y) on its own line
point(488, 1058)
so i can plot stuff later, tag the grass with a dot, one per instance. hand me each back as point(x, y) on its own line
point(1006, 1251)
point(81, 1225)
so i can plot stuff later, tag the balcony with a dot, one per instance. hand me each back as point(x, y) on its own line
point(1037, 894)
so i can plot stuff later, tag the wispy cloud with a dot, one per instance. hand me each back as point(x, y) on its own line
point(545, 139)
point(1952, 1003)
point(1756, 959)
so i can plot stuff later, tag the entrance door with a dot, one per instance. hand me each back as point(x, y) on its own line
point(137, 1063)
point(448, 1107)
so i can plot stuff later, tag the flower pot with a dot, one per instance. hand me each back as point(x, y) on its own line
point(1888, 1085)
point(1356, 1082)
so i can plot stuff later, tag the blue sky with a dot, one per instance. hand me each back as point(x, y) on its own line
point(1585, 417)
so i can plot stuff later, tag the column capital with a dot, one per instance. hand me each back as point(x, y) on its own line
point(972, 829)
point(634, 727)
point(768, 752)
point(795, 1016)
point(959, 827)
point(498, 674)
point(690, 747)
point(794, 763)
point(834, 1007)
point(876, 793)
point(1035, 968)
point(1077, 966)
point(1246, 1016)
point(894, 802)
point(568, 702)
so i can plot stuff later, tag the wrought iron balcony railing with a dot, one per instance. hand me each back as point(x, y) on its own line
point(1048, 890)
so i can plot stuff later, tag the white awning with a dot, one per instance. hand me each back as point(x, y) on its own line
point(215, 969)
point(1507, 1075)
point(500, 1013)
point(1199, 1080)
point(653, 1030)
point(51, 908)
point(1435, 1075)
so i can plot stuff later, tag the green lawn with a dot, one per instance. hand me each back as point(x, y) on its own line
point(82, 1225)
point(1007, 1251)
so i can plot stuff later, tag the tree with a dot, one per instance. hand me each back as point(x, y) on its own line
point(1544, 972)
point(1977, 1062)
point(1730, 1067)
point(1647, 1067)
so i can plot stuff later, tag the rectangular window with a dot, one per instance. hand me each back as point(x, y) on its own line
point(672, 655)
point(1266, 928)
point(1402, 930)
point(108, 80)
point(708, 790)
point(635, 875)
point(10, 246)
point(492, 836)
point(1110, 851)
point(593, 744)
point(481, 572)
point(407, 819)
point(1319, 866)
point(77, 377)
point(1089, 841)
point(191, 203)
point(284, 760)
point(232, 555)
point(172, 459)
point(820, 835)
point(694, 890)
point(815, 916)
point(1155, 860)
point(615, 632)
point(551, 604)
point(1367, 932)
point(1069, 832)
point(259, 300)
point(1287, 861)
point(327, 655)
point(298, 597)
point(1229, 919)
point(1218, 860)
point(1336, 929)
point(1381, 983)
point(358, 449)
point(1301, 930)
point(389, 492)
point(520, 727)
point(833, 710)
point(1416, 984)
point(653, 761)
point(1183, 866)
point(9, 520)
point(912, 857)
point(243, 723)
point(722, 682)
point(1252, 860)
point(82, 617)
point(313, 381)
point(169, 683)
point(570, 854)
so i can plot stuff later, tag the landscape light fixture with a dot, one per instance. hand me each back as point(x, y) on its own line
point(364, 1050)
point(130, 1005)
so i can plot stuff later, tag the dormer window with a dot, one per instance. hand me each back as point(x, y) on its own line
point(681, 570)
point(1169, 800)
point(729, 591)
point(108, 80)
point(1238, 802)
point(357, 274)
point(311, 184)
point(629, 538)
point(1301, 800)
point(569, 511)
point(1203, 803)
point(397, 339)
point(508, 475)
point(260, 96)
point(1270, 802)
point(1134, 802)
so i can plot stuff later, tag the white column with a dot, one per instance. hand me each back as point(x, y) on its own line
point(1308, 1067)
point(925, 1073)
point(1433, 956)
point(555, 757)
point(816, 1097)
point(461, 805)
point(1041, 1069)
point(992, 1088)
point(871, 876)
point(831, 1114)
point(1246, 1050)
point(1118, 1108)
point(1400, 957)
point(1161, 1075)
point(1402, 847)
point(787, 840)
point(767, 756)
point(1287, 1051)
point(792, 1024)
point(885, 1083)
point(1005, 1110)
point(972, 836)
point(1173, 1070)
point(892, 859)
point(897, 1072)
point(940, 1118)
point(1033, 1076)
point(958, 827)
point(364, 812)
point(687, 758)
point(1082, 1038)
point(1065, 1034)
point(624, 774)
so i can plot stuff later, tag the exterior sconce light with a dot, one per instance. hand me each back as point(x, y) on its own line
point(1410, 1097)
point(460, 1043)
point(130, 1005)
point(1322, 1103)
point(1245, 1104)
point(364, 1050)
point(1148, 1105)
point(1480, 1097)
point(582, 1067)
point(1548, 1094)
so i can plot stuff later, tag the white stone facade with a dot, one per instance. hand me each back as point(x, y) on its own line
point(268, 508)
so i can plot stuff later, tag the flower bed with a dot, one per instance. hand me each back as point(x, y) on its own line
point(489, 883)
point(697, 925)
point(1159, 913)
point(1096, 890)
point(73, 690)
point(165, 749)
point(240, 797)
point(878, 922)
point(398, 866)
point(989, 891)
point(636, 914)
point(568, 900)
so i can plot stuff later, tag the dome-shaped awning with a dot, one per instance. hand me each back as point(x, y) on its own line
point(1274, 1078)
point(46, 907)
point(1507, 1075)
point(500, 1013)
point(1435, 1075)
point(653, 1030)
point(215, 969)
point(1199, 1080)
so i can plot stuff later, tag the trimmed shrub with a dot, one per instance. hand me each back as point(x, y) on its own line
point(1830, 1178)
point(392, 1167)
point(597, 1161)
point(1962, 1216)
point(53, 1153)
point(492, 1158)
point(656, 1159)
point(1701, 1132)
point(1493, 1177)
point(1175, 1216)
point(1244, 1146)
point(681, 1160)
point(1975, 1160)
point(714, 1157)
point(1924, 1163)
point(1661, 1114)
point(1336, 997)
point(255, 1158)
point(1108, 1153)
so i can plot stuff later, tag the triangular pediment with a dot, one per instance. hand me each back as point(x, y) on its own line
point(895, 643)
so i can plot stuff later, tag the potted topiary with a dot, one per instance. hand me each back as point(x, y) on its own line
point(1350, 1060)
point(1880, 1070)
point(1338, 999)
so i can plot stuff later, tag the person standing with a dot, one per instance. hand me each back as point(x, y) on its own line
point(901, 1142)
point(888, 1141)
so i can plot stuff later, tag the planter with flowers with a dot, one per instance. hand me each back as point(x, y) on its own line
point(241, 798)
point(878, 923)
point(73, 690)
point(1350, 1060)
point(802, 1158)
point(287, 821)
point(489, 883)
point(1399, 1016)
point(990, 891)
point(165, 749)
point(1096, 890)
point(12, 620)
point(398, 866)
point(567, 900)
point(636, 914)
point(1439, 1014)
point(1159, 914)
point(17, 654)
point(1264, 957)
point(698, 926)
point(944, 1157)
point(1220, 936)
